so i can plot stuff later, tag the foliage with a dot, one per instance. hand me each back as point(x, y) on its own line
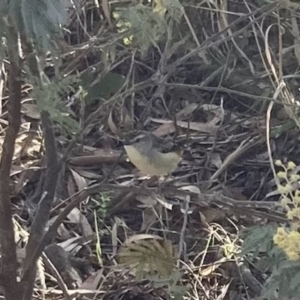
point(175, 289)
point(148, 256)
point(280, 245)
point(258, 238)
point(40, 19)
point(48, 98)
point(101, 87)
point(288, 239)
point(148, 25)
point(284, 280)
point(151, 257)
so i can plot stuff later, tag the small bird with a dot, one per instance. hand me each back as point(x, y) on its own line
point(152, 155)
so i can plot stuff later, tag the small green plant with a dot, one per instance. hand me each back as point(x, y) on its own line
point(278, 246)
point(102, 201)
point(288, 238)
point(152, 257)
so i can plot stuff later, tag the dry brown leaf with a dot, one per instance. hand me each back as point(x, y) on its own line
point(114, 238)
point(63, 232)
point(146, 200)
point(71, 186)
point(215, 160)
point(197, 126)
point(207, 271)
point(191, 188)
point(86, 227)
point(143, 236)
point(201, 127)
point(128, 122)
point(30, 145)
point(216, 112)
point(106, 10)
point(79, 180)
point(186, 111)
point(212, 214)
point(72, 243)
point(163, 202)
point(164, 129)
point(111, 124)
point(120, 120)
point(88, 149)
point(93, 281)
point(15, 170)
point(149, 217)
point(88, 174)
point(31, 111)
point(27, 144)
point(81, 183)
point(76, 217)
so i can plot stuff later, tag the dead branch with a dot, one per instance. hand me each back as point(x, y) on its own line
point(44, 208)
point(7, 237)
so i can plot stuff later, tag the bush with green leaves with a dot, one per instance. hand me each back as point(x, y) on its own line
point(276, 247)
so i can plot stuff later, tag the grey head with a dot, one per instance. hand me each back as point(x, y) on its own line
point(141, 140)
point(147, 142)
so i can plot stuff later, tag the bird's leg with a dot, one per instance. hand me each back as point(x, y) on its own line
point(161, 184)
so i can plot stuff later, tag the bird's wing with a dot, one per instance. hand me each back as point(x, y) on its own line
point(165, 145)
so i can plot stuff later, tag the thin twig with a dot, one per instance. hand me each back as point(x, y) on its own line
point(183, 229)
point(56, 274)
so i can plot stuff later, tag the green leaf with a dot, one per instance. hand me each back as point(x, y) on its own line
point(147, 26)
point(40, 19)
point(295, 281)
point(175, 9)
point(289, 264)
point(258, 238)
point(283, 281)
point(178, 292)
point(104, 87)
point(48, 98)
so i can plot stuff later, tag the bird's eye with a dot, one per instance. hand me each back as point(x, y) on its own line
point(137, 140)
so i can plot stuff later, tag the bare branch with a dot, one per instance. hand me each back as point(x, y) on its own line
point(7, 238)
point(45, 205)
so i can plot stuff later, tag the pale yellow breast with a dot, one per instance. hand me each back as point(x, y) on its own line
point(159, 164)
